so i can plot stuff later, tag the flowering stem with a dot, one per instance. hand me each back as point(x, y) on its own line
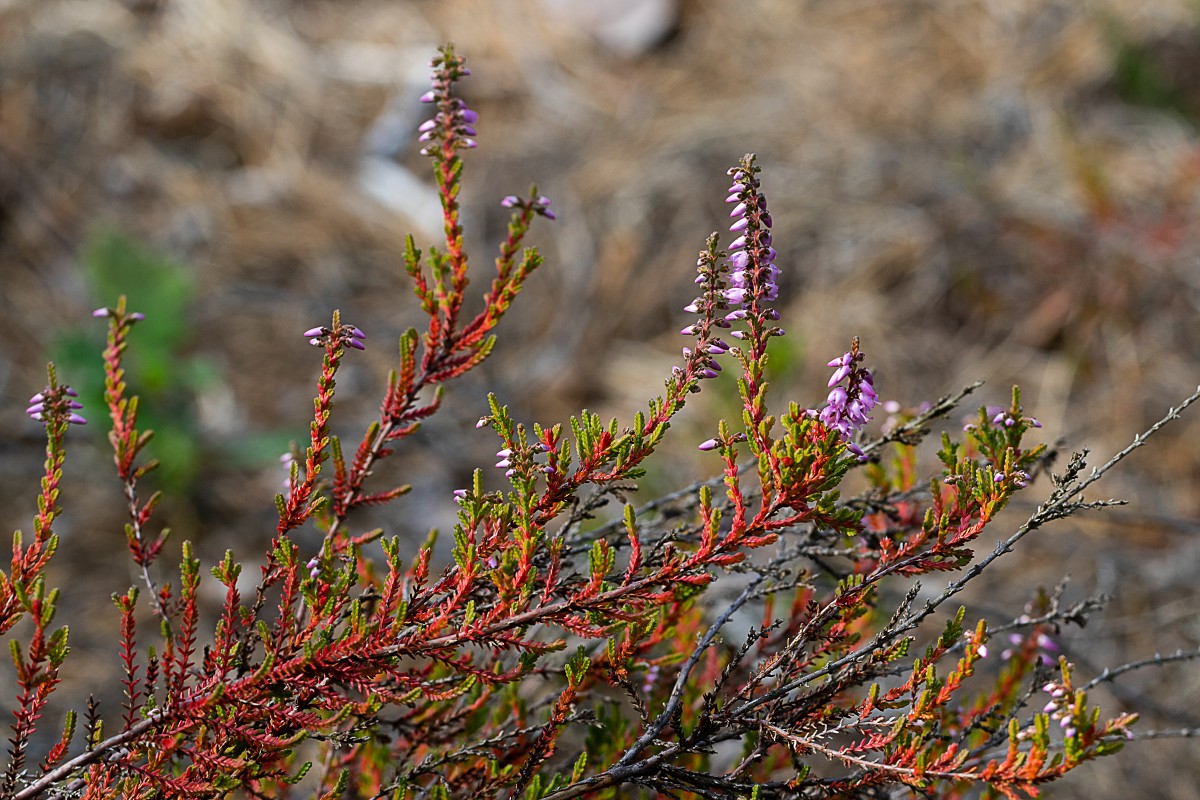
point(127, 443)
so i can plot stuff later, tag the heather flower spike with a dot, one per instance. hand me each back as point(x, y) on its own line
point(753, 278)
point(848, 408)
point(452, 126)
point(55, 403)
point(347, 335)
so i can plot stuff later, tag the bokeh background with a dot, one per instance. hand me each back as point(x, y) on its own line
point(1006, 190)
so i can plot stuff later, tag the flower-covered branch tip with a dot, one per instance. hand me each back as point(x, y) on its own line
point(453, 123)
point(753, 282)
point(56, 402)
point(848, 407)
point(540, 205)
point(344, 334)
point(710, 307)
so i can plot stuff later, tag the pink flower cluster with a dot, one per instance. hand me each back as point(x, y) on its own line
point(848, 408)
point(45, 403)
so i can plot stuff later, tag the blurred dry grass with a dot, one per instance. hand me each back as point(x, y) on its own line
point(979, 189)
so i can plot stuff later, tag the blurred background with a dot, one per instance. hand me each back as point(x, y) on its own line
point(1006, 190)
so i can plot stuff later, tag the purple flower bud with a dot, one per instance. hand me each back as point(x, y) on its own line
point(469, 143)
point(357, 333)
point(739, 226)
point(355, 343)
point(427, 125)
point(36, 408)
point(998, 478)
point(75, 419)
point(738, 243)
point(425, 137)
point(739, 259)
point(982, 650)
point(738, 210)
point(428, 97)
point(100, 312)
point(505, 453)
point(39, 397)
point(503, 463)
point(839, 375)
point(461, 494)
point(709, 444)
point(314, 332)
point(690, 330)
point(137, 316)
point(482, 421)
point(734, 197)
point(837, 398)
point(469, 116)
point(693, 308)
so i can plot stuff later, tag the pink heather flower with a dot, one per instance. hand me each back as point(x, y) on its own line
point(848, 408)
point(709, 444)
point(100, 312)
point(347, 335)
point(453, 121)
point(51, 401)
point(751, 257)
point(540, 205)
point(461, 494)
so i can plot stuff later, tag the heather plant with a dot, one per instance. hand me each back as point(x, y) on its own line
point(561, 651)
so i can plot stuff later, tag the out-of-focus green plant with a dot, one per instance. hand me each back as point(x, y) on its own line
point(170, 376)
